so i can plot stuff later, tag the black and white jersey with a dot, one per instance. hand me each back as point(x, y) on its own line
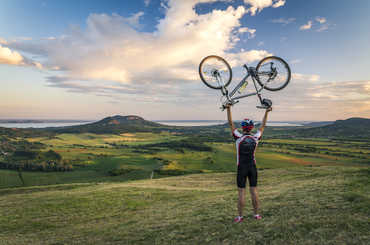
point(246, 145)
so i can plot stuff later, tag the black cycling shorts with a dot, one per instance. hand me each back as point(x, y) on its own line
point(245, 172)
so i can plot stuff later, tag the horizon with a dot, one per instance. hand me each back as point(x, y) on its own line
point(159, 120)
point(78, 60)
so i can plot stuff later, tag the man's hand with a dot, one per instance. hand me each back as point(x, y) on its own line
point(269, 109)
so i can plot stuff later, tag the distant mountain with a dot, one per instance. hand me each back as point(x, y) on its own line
point(352, 127)
point(318, 124)
point(114, 124)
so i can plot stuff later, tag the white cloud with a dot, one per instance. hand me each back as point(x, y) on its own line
point(146, 3)
point(112, 56)
point(251, 32)
point(246, 57)
point(3, 41)
point(306, 26)
point(295, 61)
point(283, 21)
point(10, 57)
point(258, 5)
point(311, 78)
point(321, 20)
point(278, 4)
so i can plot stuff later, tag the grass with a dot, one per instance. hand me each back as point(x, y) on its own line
point(304, 205)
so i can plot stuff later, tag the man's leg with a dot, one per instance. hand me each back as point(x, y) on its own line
point(241, 201)
point(254, 197)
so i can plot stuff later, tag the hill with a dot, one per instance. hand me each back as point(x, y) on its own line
point(353, 128)
point(321, 205)
point(112, 125)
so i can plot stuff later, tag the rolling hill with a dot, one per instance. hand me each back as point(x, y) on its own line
point(352, 127)
point(113, 125)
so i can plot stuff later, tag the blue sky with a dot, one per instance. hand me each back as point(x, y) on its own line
point(91, 59)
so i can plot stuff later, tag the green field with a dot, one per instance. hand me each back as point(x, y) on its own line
point(304, 205)
point(140, 155)
point(122, 190)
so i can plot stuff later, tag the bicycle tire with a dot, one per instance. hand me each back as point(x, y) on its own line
point(222, 63)
point(285, 79)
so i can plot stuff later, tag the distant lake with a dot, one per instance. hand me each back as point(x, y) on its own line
point(41, 124)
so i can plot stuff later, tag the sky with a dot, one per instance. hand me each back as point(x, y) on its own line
point(91, 59)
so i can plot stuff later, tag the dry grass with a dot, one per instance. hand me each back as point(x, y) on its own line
point(318, 205)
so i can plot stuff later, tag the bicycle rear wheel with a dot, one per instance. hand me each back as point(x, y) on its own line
point(215, 72)
point(273, 73)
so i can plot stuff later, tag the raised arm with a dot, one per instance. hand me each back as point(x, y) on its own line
point(230, 119)
point(264, 120)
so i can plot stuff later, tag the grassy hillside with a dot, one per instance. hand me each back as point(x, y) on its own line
point(306, 205)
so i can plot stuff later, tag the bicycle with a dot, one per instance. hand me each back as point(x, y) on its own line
point(271, 73)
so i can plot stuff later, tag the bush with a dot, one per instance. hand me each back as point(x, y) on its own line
point(122, 170)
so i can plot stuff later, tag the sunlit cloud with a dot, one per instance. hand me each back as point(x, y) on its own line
point(321, 20)
point(306, 26)
point(306, 77)
point(113, 50)
point(3, 41)
point(258, 5)
point(9, 57)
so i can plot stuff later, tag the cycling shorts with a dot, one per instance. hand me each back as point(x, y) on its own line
point(245, 172)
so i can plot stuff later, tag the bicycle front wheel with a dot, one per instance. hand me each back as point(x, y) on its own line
point(215, 72)
point(273, 73)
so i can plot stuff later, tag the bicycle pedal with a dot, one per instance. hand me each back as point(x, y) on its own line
point(262, 107)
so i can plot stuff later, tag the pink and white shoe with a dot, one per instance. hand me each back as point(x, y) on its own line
point(257, 216)
point(238, 219)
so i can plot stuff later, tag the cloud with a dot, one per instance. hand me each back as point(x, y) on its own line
point(146, 3)
point(10, 57)
point(284, 21)
point(3, 41)
point(244, 57)
point(111, 56)
point(258, 5)
point(306, 26)
point(321, 20)
point(311, 77)
point(251, 32)
point(306, 100)
point(278, 3)
point(295, 61)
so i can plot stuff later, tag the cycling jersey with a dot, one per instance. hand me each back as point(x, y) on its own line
point(246, 145)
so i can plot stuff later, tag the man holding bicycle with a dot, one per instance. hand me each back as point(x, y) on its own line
point(246, 144)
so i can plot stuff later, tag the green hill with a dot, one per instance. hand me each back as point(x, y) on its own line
point(321, 205)
point(112, 125)
point(355, 128)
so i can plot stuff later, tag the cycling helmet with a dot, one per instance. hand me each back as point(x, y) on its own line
point(247, 124)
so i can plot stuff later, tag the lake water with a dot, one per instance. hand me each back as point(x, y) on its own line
point(40, 125)
point(165, 122)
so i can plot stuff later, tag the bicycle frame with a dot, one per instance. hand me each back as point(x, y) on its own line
point(251, 72)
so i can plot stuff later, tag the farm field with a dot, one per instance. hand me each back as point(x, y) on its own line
point(129, 156)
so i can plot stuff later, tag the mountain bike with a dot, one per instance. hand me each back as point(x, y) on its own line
point(271, 73)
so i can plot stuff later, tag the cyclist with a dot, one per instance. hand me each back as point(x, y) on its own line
point(246, 144)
